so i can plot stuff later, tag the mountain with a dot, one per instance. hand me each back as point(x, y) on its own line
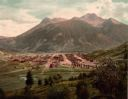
point(79, 34)
point(2, 37)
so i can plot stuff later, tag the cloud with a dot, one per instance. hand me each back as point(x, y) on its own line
point(20, 15)
point(15, 23)
point(103, 8)
point(12, 28)
point(125, 1)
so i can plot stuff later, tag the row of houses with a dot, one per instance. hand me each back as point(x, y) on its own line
point(54, 60)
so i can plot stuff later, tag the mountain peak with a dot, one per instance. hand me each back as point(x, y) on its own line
point(92, 19)
point(54, 20)
point(90, 15)
point(46, 20)
point(112, 20)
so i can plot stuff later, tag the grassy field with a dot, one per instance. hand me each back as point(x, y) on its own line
point(11, 79)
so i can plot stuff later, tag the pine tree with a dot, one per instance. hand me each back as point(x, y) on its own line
point(50, 81)
point(39, 82)
point(125, 52)
point(125, 56)
point(46, 82)
point(2, 94)
point(29, 80)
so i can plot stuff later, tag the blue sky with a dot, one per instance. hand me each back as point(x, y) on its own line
point(17, 16)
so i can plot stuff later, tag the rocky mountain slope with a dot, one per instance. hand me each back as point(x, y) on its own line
point(79, 34)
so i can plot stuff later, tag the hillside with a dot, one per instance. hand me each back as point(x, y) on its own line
point(117, 52)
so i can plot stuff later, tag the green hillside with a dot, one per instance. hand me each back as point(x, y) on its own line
point(116, 53)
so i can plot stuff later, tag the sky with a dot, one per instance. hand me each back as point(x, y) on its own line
point(18, 16)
